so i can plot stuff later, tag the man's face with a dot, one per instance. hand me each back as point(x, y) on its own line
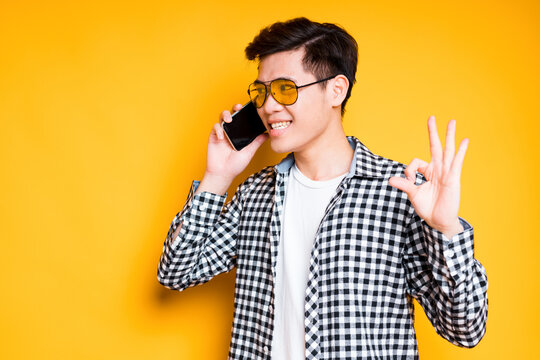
point(293, 128)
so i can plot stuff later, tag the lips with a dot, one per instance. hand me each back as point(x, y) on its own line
point(278, 127)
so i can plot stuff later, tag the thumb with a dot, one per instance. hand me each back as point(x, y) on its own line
point(403, 185)
point(255, 144)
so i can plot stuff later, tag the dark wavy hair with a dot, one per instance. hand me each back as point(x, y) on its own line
point(329, 49)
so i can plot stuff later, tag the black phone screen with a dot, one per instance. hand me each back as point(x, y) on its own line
point(245, 126)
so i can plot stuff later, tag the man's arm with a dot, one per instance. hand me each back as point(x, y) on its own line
point(442, 272)
point(448, 282)
point(201, 241)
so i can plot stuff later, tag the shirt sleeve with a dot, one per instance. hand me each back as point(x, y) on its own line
point(448, 282)
point(206, 243)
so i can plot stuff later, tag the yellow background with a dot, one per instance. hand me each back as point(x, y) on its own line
point(105, 110)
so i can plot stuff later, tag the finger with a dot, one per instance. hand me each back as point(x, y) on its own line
point(218, 131)
point(403, 185)
point(449, 147)
point(226, 116)
point(236, 107)
point(434, 141)
point(414, 166)
point(457, 164)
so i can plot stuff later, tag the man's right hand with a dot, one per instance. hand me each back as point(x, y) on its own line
point(223, 163)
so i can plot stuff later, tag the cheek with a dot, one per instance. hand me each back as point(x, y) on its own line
point(262, 115)
point(315, 96)
point(312, 104)
point(260, 112)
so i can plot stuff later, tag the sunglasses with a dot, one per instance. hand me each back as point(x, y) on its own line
point(284, 91)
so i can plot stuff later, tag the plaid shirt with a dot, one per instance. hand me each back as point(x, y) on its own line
point(372, 255)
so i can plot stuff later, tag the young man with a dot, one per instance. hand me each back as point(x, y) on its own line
point(332, 244)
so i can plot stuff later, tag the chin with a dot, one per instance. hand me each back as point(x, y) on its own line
point(280, 146)
point(284, 146)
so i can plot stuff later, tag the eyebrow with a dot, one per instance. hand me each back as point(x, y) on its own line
point(278, 78)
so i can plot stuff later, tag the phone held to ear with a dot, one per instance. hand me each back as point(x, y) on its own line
point(245, 126)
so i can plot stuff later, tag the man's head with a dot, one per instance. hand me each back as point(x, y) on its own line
point(328, 49)
point(304, 52)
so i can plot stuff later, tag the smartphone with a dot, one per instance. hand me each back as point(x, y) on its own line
point(245, 126)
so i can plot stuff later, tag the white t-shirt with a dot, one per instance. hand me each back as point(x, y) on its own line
point(305, 203)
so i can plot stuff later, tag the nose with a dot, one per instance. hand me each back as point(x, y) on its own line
point(271, 105)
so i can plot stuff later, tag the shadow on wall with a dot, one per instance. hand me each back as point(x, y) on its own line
point(220, 286)
point(156, 311)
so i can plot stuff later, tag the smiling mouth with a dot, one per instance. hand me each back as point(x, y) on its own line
point(280, 125)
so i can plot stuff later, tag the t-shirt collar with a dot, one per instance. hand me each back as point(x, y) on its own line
point(364, 164)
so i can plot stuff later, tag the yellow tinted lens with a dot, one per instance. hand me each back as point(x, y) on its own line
point(257, 93)
point(284, 91)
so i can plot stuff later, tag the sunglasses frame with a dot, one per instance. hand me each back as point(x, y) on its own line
point(268, 84)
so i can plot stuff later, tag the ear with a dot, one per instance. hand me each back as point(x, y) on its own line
point(338, 90)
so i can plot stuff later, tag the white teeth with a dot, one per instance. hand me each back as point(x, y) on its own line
point(280, 125)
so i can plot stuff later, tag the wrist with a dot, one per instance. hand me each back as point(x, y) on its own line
point(214, 183)
point(451, 231)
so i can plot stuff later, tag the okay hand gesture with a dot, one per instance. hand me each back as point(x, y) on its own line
point(437, 200)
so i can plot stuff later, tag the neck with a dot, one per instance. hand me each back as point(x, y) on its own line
point(326, 157)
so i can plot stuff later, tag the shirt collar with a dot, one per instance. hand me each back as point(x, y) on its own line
point(364, 163)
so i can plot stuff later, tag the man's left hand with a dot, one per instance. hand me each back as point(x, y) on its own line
point(437, 200)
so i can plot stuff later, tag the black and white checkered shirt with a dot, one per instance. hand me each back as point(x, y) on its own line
point(371, 256)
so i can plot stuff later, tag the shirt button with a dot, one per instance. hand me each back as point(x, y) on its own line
point(266, 349)
point(450, 253)
point(270, 308)
point(202, 207)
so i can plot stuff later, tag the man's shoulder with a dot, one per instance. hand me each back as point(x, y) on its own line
point(263, 178)
point(379, 165)
point(388, 166)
